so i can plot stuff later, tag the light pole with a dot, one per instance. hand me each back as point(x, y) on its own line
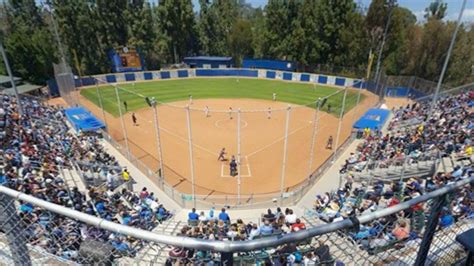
point(56, 33)
point(379, 57)
point(10, 75)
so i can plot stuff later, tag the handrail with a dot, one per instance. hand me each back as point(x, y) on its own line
point(227, 246)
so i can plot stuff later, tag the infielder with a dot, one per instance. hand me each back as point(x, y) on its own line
point(190, 99)
point(230, 112)
point(206, 111)
point(274, 96)
point(269, 113)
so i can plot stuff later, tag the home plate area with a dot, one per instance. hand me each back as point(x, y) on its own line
point(245, 168)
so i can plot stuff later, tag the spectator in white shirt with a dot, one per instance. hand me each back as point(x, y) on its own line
point(290, 217)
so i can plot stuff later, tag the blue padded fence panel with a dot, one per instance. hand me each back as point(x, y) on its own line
point(357, 84)
point(287, 76)
point(248, 73)
point(414, 94)
point(304, 77)
point(182, 73)
point(165, 75)
point(147, 76)
point(77, 83)
point(340, 81)
point(87, 81)
point(111, 78)
point(130, 76)
point(322, 79)
point(271, 74)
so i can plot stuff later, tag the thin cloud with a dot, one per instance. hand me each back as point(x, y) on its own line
point(468, 15)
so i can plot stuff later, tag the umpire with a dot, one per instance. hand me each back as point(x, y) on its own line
point(233, 166)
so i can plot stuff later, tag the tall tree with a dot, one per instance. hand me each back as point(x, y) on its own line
point(28, 41)
point(436, 10)
point(240, 40)
point(276, 29)
point(176, 20)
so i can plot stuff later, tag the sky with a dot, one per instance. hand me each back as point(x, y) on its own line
point(416, 6)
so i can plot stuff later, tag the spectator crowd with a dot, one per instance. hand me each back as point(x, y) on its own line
point(36, 147)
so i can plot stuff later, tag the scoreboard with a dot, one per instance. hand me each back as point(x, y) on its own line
point(126, 59)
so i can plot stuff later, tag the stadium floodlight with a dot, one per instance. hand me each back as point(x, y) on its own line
point(378, 72)
point(10, 75)
point(50, 10)
point(446, 60)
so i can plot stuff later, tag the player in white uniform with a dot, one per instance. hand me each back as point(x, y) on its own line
point(274, 96)
point(190, 99)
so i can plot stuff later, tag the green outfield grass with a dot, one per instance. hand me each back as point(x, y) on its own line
point(207, 88)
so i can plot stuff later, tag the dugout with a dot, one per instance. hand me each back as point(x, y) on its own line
point(374, 119)
point(269, 64)
point(209, 62)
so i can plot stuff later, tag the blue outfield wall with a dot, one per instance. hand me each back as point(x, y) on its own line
point(165, 75)
point(226, 72)
point(237, 72)
point(403, 92)
point(305, 77)
point(322, 79)
point(340, 81)
point(130, 76)
point(148, 76)
point(271, 74)
point(183, 74)
point(111, 78)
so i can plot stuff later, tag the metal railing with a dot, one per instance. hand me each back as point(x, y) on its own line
point(12, 227)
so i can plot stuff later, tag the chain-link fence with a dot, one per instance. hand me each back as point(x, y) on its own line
point(65, 80)
point(419, 231)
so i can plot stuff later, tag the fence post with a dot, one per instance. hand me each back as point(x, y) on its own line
point(239, 163)
point(10, 224)
point(101, 105)
point(430, 230)
point(341, 115)
point(285, 149)
point(191, 162)
point(158, 141)
point(313, 137)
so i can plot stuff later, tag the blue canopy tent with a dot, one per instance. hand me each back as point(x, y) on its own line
point(83, 120)
point(373, 119)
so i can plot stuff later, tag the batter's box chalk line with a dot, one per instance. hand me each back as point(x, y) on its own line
point(245, 165)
